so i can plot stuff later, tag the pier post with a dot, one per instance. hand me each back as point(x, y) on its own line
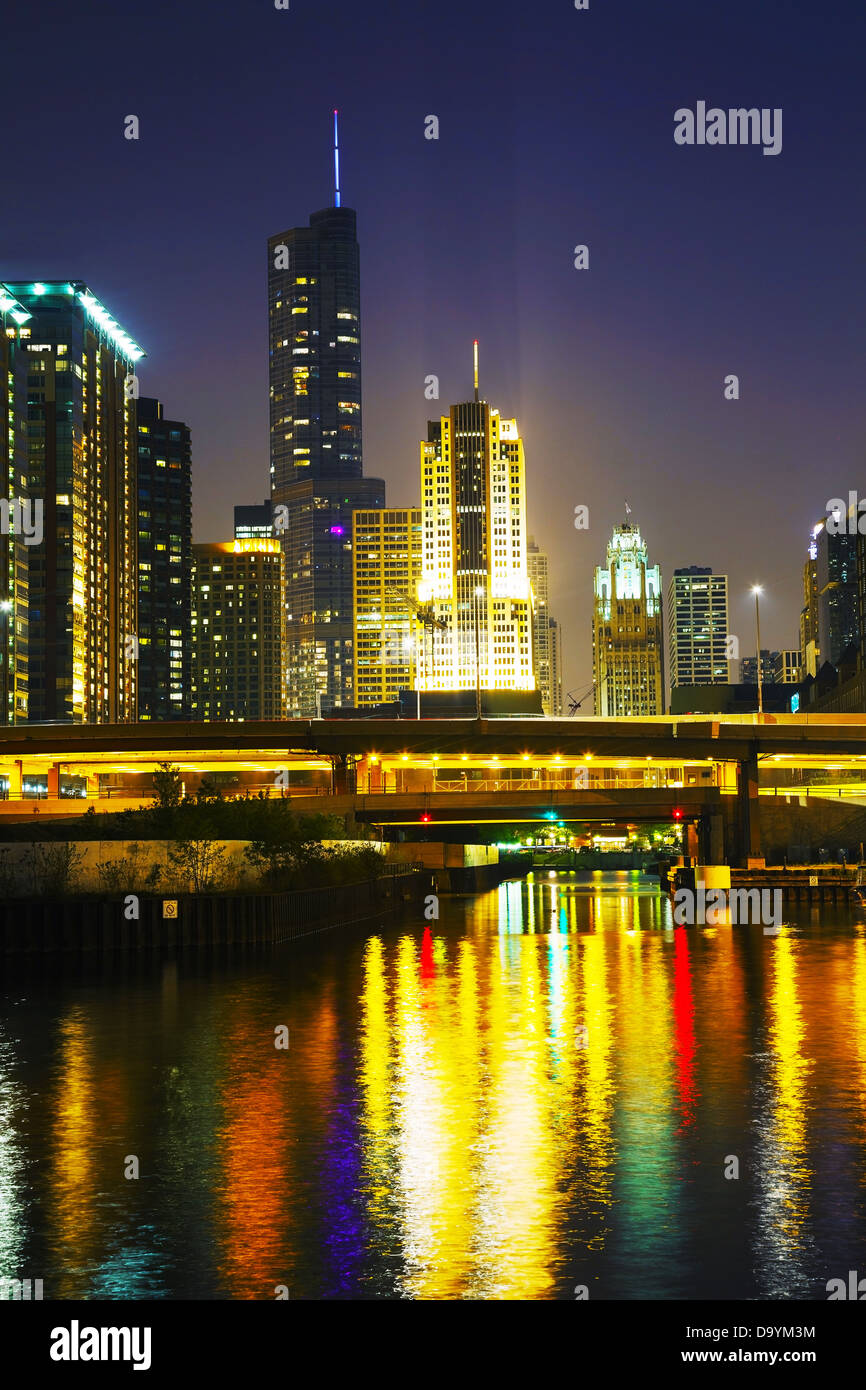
point(750, 818)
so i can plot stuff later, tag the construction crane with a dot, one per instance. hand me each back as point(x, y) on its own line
point(424, 614)
point(574, 704)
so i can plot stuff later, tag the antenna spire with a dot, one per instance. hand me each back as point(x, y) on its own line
point(475, 358)
point(336, 160)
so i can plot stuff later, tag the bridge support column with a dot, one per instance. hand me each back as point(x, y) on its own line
point(342, 774)
point(54, 779)
point(750, 817)
point(16, 780)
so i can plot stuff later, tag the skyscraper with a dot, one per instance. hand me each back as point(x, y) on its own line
point(17, 517)
point(836, 582)
point(474, 573)
point(314, 325)
point(238, 630)
point(810, 656)
point(546, 644)
point(627, 629)
point(698, 627)
point(81, 470)
point(390, 644)
point(164, 564)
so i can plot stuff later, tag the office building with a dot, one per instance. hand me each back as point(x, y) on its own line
point(314, 322)
point(238, 630)
point(254, 522)
point(391, 642)
point(17, 515)
point(810, 656)
point(81, 468)
point(697, 619)
point(546, 641)
point(164, 564)
point(474, 569)
point(627, 633)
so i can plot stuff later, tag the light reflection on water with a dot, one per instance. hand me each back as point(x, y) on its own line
point(548, 1087)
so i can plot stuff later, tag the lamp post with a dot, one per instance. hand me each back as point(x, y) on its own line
point(757, 590)
point(5, 608)
point(478, 594)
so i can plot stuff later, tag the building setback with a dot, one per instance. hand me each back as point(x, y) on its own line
point(474, 568)
point(81, 466)
point(238, 630)
point(627, 631)
point(164, 564)
point(254, 522)
point(390, 642)
point(546, 638)
point(698, 627)
point(314, 326)
point(16, 511)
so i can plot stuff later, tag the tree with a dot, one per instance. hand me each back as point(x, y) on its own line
point(167, 786)
point(199, 861)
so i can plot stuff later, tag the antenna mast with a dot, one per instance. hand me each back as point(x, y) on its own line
point(475, 356)
point(336, 160)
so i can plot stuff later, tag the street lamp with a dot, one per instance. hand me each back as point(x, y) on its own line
point(757, 590)
point(6, 607)
point(479, 593)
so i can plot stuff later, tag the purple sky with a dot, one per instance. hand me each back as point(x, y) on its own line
point(556, 128)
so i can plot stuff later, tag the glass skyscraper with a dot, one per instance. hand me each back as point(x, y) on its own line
point(314, 327)
point(81, 474)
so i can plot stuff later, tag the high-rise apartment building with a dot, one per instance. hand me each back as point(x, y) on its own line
point(627, 633)
point(81, 471)
point(698, 627)
point(164, 564)
point(390, 641)
point(238, 630)
point(254, 521)
point(546, 643)
point(474, 571)
point(18, 518)
point(314, 324)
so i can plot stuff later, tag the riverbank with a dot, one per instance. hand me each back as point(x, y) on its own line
point(134, 922)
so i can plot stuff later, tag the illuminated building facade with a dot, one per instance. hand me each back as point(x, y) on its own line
point(627, 633)
point(390, 641)
point(164, 564)
point(254, 522)
point(809, 650)
point(546, 637)
point(14, 494)
point(698, 627)
point(474, 570)
point(81, 466)
point(314, 324)
point(238, 630)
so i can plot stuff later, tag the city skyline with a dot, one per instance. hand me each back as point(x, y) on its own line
point(726, 261)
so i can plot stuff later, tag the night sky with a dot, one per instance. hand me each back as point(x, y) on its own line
point(556, 128)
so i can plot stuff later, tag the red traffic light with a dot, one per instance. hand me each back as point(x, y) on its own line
point(678, 815)
point(425, 815)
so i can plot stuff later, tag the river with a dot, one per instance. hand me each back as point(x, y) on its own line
point(547, 1093)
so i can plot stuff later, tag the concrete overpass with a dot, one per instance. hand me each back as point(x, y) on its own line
point(686, 758)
